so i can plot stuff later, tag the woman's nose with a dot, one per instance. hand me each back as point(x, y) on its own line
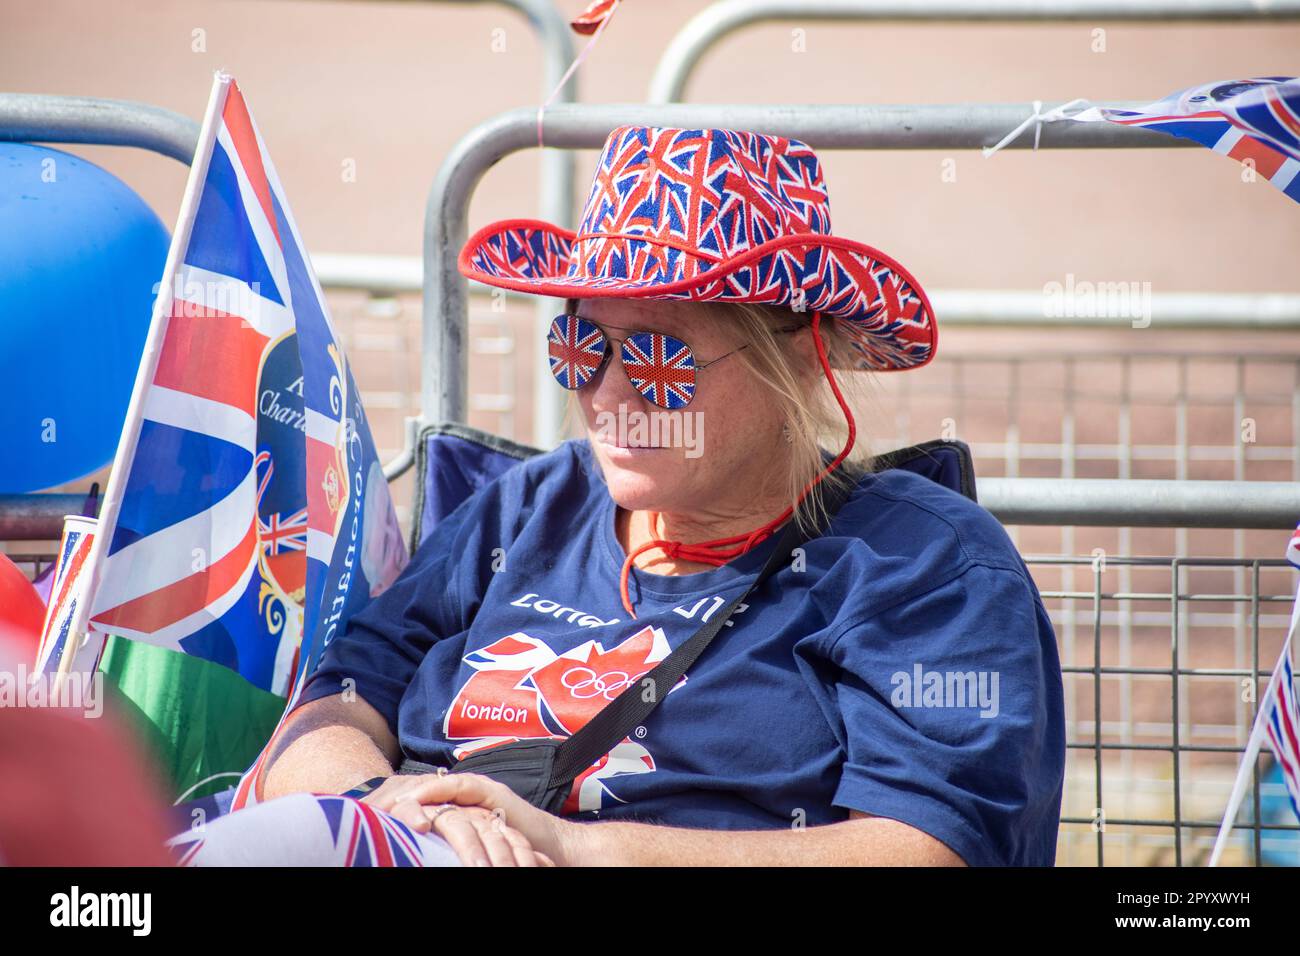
point(611, 386)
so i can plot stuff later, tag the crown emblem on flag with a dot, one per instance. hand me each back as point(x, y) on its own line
point(330, 485)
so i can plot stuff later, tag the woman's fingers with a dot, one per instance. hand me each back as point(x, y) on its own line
point(387, 794)
point(462, 836)
point(524, 853)
point(412, 814)
point(481, 838)
point(483, 795)
point(466, 789)
point(492, 835)
point(544, 831)
point(395, 789)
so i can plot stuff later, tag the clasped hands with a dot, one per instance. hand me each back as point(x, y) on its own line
point(483, 821)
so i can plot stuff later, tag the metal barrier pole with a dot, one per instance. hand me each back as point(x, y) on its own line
point(36, 517)
point(714, 22)
point(1022, 308)
point(39, 118)
point(1139, 503)
point(959, 126)
point(556, 203)
point(60, 119)
point(1169, 310)
point(555, 39)
point(1091, 502)
point(389, 273)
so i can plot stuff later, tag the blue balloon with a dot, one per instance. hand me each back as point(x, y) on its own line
point(80, 257)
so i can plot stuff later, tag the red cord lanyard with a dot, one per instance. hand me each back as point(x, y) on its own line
point(721, 550)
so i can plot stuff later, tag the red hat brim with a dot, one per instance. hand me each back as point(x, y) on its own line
point(884, 311)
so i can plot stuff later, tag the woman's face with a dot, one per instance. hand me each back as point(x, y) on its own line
point(716, 456)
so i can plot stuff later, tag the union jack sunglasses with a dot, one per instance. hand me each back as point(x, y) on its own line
point(662, 368)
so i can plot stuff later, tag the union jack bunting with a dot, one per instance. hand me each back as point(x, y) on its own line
point(1254, 121)
point(590, 19)
point(721, 215)
point(244, 480)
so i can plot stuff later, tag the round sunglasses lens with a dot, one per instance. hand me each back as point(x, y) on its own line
point(575, 349)
point(661, 368)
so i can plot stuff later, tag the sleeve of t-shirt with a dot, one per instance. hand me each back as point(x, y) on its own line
point(433, 599)
point(983, 776)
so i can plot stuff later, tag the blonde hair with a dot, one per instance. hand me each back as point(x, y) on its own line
point(817, 427)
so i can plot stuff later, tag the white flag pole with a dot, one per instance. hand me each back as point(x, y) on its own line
point(1257, 733)
point(148, 367)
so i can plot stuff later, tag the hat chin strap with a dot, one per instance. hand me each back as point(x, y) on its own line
point(721, 550)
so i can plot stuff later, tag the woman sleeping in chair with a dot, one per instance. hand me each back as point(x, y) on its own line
point(889, 695)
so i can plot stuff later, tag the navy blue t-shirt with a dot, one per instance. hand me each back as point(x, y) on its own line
point(903, 665)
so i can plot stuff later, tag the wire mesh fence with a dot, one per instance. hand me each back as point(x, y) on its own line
point(1103, 413)
point(1163, 661)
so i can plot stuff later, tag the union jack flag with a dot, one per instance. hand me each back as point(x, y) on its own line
point(661, 368)
point(1255, 121)
point(368, 837)
point(66, 592)
point(309, 830)
point(1283, 730)
point(279, 534)
point(184, 557)
point(576, 348)
point(1284, 711)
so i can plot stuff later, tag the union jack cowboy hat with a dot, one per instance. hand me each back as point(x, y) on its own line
point(714, 215)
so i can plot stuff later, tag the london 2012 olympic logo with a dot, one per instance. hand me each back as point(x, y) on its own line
point(583, 683)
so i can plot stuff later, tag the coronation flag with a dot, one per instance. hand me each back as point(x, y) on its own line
point(1256, 122)
point(247, 516)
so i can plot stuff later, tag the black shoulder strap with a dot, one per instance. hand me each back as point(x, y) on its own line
point(629, 709)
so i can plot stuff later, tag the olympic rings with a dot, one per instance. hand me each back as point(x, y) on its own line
point(609, 685)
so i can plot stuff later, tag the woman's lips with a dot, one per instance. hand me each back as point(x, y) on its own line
point(616, 449)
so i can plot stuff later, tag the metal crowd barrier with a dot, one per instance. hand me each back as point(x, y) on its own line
point(66, 119)
point(444, 387)
point(718, 20)
point(963, 383)
point(42, 118)
point(389, 274)
point(1014, 501)
point(60, 119)
point(1148, 820)
point(1078, 502)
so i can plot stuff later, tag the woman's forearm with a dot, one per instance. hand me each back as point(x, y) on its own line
point(862, 841)
point(329, 746)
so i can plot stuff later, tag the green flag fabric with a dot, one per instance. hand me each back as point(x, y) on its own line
point(203, 723)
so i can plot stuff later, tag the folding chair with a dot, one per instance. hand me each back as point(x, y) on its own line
point(452, 461)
